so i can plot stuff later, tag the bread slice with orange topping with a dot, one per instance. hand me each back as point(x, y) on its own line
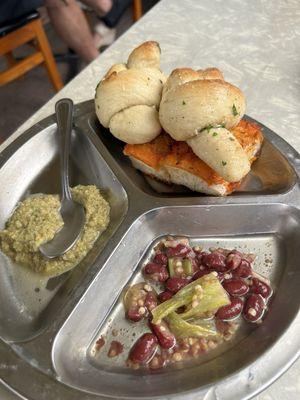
point(174, 161)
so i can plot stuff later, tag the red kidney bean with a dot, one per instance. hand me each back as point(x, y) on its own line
point(244, 270)
point(144, 349)
point(261, 288)
point(160, 258)
point(178, 251)
point(249, 257)
point(195, 266)
point(215, 261)
point(233, 260)
point(156, 272)
point(201, 272)
point(164, 296)
point(191, 254)
point(134, 315)
point(225, 252)
point(254, 308)
point(232, 310)
point(224, 276)
point(165, 337)
point(200, 255)
point(236, 287)
point(150, 301)
point(175, 284)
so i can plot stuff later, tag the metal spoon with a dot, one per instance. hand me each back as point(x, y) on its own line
point(72, 213)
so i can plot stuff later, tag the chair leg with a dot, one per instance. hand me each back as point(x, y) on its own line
point(137, 9)
point(48, 56)
point(10, 59)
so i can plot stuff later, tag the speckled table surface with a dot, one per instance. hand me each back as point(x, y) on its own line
point(255, 43)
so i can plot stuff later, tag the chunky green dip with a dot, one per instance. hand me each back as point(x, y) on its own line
point(37, 219)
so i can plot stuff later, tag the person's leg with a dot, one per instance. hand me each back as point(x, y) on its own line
point(114, 10)
point(71, 25)
point(101, 7)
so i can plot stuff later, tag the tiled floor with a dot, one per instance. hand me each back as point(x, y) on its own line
point(21, 98)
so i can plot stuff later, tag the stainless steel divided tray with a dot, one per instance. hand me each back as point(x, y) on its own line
point(48, 326)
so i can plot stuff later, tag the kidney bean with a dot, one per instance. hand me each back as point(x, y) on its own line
point(191, 254)
point(134, 315)
point(233, 260)
point(156, 272)
point(236, 287)
point(151, 301)
point(201, 272)
point(144, 349)
point(199, 256)
point(261, 288)
point(175, 284)
point(195, 266)
point(164, 296)
point(160, 258)
point(232, 310)
point(215, 261)
point(244, 270)
point(180, 250)
point(220, 250)
point(254, 308)
point(224, 276)
point(165, 337)
point(249, 257)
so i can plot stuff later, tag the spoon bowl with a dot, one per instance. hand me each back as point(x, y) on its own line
point(72, 213)
point(73, 216)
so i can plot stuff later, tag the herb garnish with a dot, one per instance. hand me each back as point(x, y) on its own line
point(183, 103)
point(209, 127)
point(234, 110)
point(224, 163)
point(215, 134)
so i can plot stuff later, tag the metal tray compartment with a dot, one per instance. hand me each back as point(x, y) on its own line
point(272, 231)
point(49, 342)
point(29, 301)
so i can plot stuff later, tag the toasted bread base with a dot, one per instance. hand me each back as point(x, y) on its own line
point(178, 176)
point(174, 162)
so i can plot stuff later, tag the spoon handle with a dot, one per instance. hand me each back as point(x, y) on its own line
point(64, 117)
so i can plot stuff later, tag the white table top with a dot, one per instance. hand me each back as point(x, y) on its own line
point(255, 43)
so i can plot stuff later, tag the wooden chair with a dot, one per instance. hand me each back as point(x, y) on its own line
point(137, 9)
point(27, 29)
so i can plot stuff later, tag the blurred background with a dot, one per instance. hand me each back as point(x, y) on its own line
point(22, 93)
